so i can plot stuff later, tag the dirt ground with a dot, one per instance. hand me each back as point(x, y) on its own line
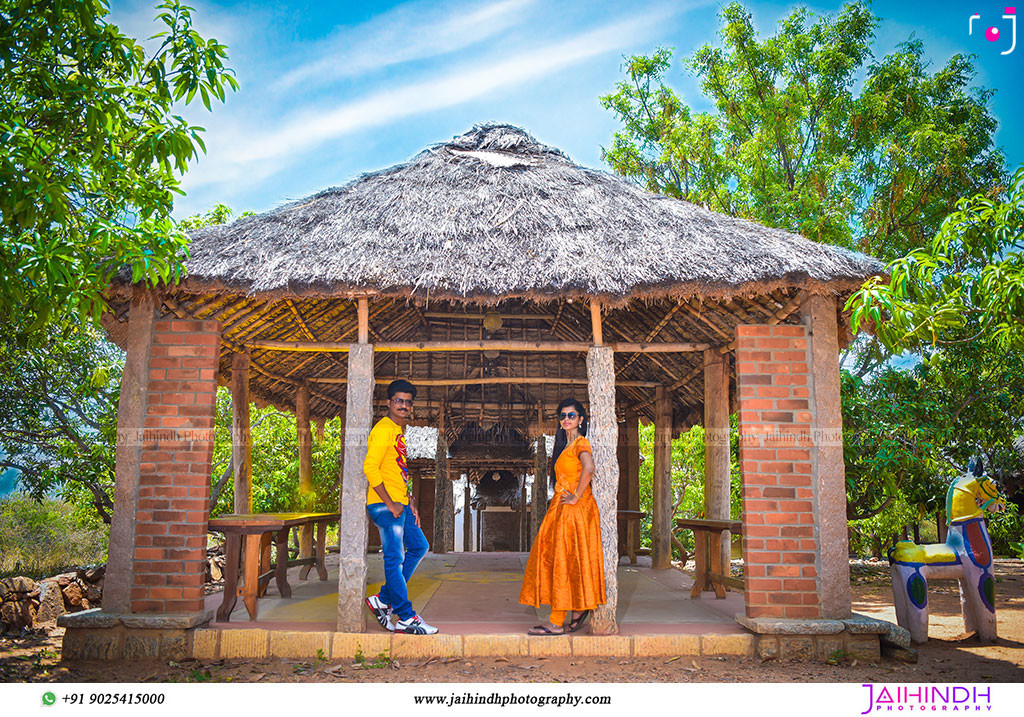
point(950, 655)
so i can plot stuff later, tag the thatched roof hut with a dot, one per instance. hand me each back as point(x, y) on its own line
point(498, 220)
point(494, 215)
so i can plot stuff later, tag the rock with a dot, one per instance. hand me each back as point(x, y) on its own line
point(73, 596)
point(901, 654)
point(17, 615)
point(19, 585)
point(65, 579)
point(51, 602)
point(214, 571)
point(93, 593)
point(95, 574)
point(85, 604)
point(896, 636)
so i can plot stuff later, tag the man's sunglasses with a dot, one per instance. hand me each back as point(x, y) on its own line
point(570, 415)
point(402, 402)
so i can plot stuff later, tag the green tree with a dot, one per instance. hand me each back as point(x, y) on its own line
point(93, 153)
point(58, 413)
point(966, 285)
point(810, 133)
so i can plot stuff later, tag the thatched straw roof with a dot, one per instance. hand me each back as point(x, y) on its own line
point(494, 214)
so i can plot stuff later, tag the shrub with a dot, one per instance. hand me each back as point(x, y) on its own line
point(41, 538)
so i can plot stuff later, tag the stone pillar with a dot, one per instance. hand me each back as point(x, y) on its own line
point(539, 503)
point(131, 413)
point(306, 496)
point(661, 520)
point(716, 447)
point(241, 436)
point(780, 508)
point(352, 530)
point(603, 435)
point(174, 473)
point(444, 500)
point(819, 317)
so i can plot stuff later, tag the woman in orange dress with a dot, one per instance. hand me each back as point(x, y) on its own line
point(566, 565)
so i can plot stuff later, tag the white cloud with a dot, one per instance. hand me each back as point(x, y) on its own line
point(414, 31)
point(261, 153)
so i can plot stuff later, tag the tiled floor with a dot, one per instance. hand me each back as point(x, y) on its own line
point(477, 593)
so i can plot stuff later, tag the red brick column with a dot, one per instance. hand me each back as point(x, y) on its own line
point(174, 480)
point(776, 420)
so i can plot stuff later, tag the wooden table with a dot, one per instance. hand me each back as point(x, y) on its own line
point(710, 574)
point(254, 528)
point(629, 518)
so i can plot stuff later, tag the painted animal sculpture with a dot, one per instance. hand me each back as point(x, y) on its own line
point(966, 555)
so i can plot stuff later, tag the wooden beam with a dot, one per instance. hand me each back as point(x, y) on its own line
point(306, 497)
point(480, 345)
point(595, 322)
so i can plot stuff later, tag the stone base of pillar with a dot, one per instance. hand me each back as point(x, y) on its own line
point(854, 638)
point(98, 635)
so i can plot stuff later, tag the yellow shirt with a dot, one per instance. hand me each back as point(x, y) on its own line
point(386, 462)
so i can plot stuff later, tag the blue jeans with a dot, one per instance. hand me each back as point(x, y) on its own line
point(404, 546)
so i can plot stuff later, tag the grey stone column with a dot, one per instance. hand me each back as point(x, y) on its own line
point(819, 315)
point(603, 437)
point(131, 417)
point(352, 530)
point(716, 445)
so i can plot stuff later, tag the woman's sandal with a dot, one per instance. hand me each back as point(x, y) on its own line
point(577, 622)
point(543, 631)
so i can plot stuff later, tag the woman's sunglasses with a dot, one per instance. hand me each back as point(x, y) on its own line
point(570, 415)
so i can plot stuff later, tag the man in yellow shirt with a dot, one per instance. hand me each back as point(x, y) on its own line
point(389, 506)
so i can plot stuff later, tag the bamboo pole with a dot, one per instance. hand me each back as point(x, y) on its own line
point(595, 322)
point(241, 441)
point(487, 381)
point(363, 313)
point(479, 345)
point(661, 528)
point(305, 440)
point(481, 317)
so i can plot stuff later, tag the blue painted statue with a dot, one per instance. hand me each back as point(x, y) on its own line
point(966, 555)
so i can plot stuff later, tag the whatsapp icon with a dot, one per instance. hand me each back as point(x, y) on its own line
point(49, 698)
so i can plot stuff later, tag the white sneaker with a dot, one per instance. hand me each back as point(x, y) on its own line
point(414, 626)
point(381, 612)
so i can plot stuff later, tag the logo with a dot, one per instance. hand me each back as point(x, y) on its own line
point(49, 698)
point(994, 34)
point(928, 698)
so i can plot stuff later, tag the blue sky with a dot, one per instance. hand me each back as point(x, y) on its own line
point(334, 89)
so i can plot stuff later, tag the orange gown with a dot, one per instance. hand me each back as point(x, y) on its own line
point(566, 565)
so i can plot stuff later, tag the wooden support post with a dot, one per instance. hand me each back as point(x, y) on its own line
point(540, 486)
point(306, 496)
point(444, 515)
point(363, 315)
point(603, 435)
point(524, 513)
point(595, 322)
point(241, 438)
point(633, 460)
point(352, 530)
point(467, 519)
point(661, 520)
point(131, 417)
point(716, 451)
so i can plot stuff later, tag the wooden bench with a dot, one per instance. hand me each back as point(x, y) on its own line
point(257, 530)
point(710, 573)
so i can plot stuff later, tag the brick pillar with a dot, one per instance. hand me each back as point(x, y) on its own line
point(174, 482)
point(780, 507)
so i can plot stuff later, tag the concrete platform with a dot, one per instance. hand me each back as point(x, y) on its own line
point(477, 594)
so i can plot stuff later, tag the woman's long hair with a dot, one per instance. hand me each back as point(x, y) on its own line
point(561, 439)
